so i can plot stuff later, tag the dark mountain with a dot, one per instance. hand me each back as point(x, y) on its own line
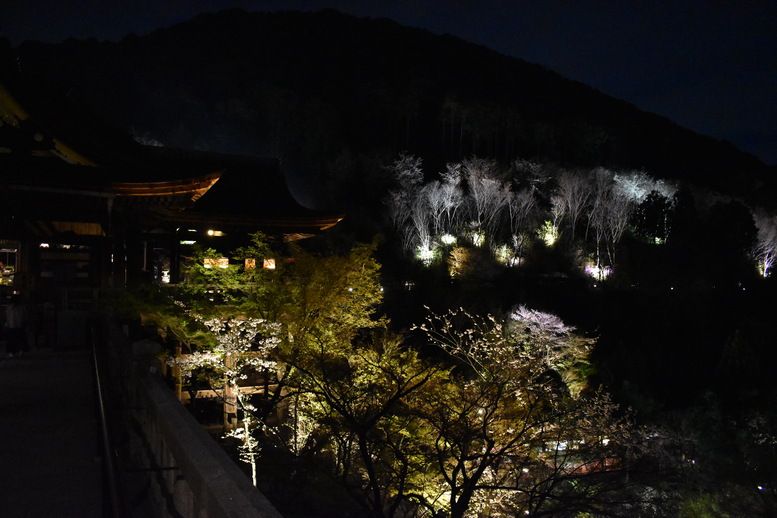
point(325, 90)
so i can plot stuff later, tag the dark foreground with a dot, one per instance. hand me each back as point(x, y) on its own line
point(49, 451)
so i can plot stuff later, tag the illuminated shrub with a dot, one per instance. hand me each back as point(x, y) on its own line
point(459, 261)
point(448, 239)
point(506, 255)
point(427, 254)
point(478, 237)
point(548, 233)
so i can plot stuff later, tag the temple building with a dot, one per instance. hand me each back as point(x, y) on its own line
point(85, 209)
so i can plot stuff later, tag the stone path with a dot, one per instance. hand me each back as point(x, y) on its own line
point(49, 450)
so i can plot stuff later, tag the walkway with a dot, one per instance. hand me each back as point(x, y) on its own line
point(49, 449)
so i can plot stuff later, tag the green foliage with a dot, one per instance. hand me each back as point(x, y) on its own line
point(174, 323)
point(702, 506)
point(503, 426)
point(368, 390)
point(326, 301)
point(208, 286)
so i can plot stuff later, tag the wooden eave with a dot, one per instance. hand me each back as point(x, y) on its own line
point(303, 225)
point(192, 188)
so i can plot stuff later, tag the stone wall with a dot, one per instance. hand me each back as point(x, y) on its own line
point(183, 471)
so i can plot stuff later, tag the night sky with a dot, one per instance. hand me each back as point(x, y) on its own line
point(708, 65)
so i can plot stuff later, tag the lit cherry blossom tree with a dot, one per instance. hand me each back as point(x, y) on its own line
point(435, 201)
point(444, 198)
point(514, 433)
point(558, 210)
point(488, 196)
point(452, 196)
point(601, 188)
point(610, 214)
point(242, 346)
point(572, 194)
point(637, 185)
point(653, 200)
point(420, 224)
point(765, 250)
point(520, 207)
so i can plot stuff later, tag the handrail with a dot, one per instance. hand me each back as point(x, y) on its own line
point(113, 508)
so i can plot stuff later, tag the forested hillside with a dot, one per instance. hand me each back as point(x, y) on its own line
point(331, 94)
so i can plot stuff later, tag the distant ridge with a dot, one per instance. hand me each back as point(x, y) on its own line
point(309, 87)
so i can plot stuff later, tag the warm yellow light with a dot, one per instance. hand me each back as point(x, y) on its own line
point(548, 233)
point(459, 261)
point(220, 262)
point(215, 233)
point(269, 264)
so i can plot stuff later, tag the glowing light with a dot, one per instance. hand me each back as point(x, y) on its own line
point(458, 261)
point(478, 237)
point(599, 273)
point(249, 264)
point(187, 242)
point(506, 255)
point(268, 264)
point(425, 254)
point(763, 268)
point(448, 239)
point(215, 233)
point(220, 262)
point(44, 245)
point(548, 233)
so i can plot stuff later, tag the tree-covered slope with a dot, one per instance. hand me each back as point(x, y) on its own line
point(313, 87)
